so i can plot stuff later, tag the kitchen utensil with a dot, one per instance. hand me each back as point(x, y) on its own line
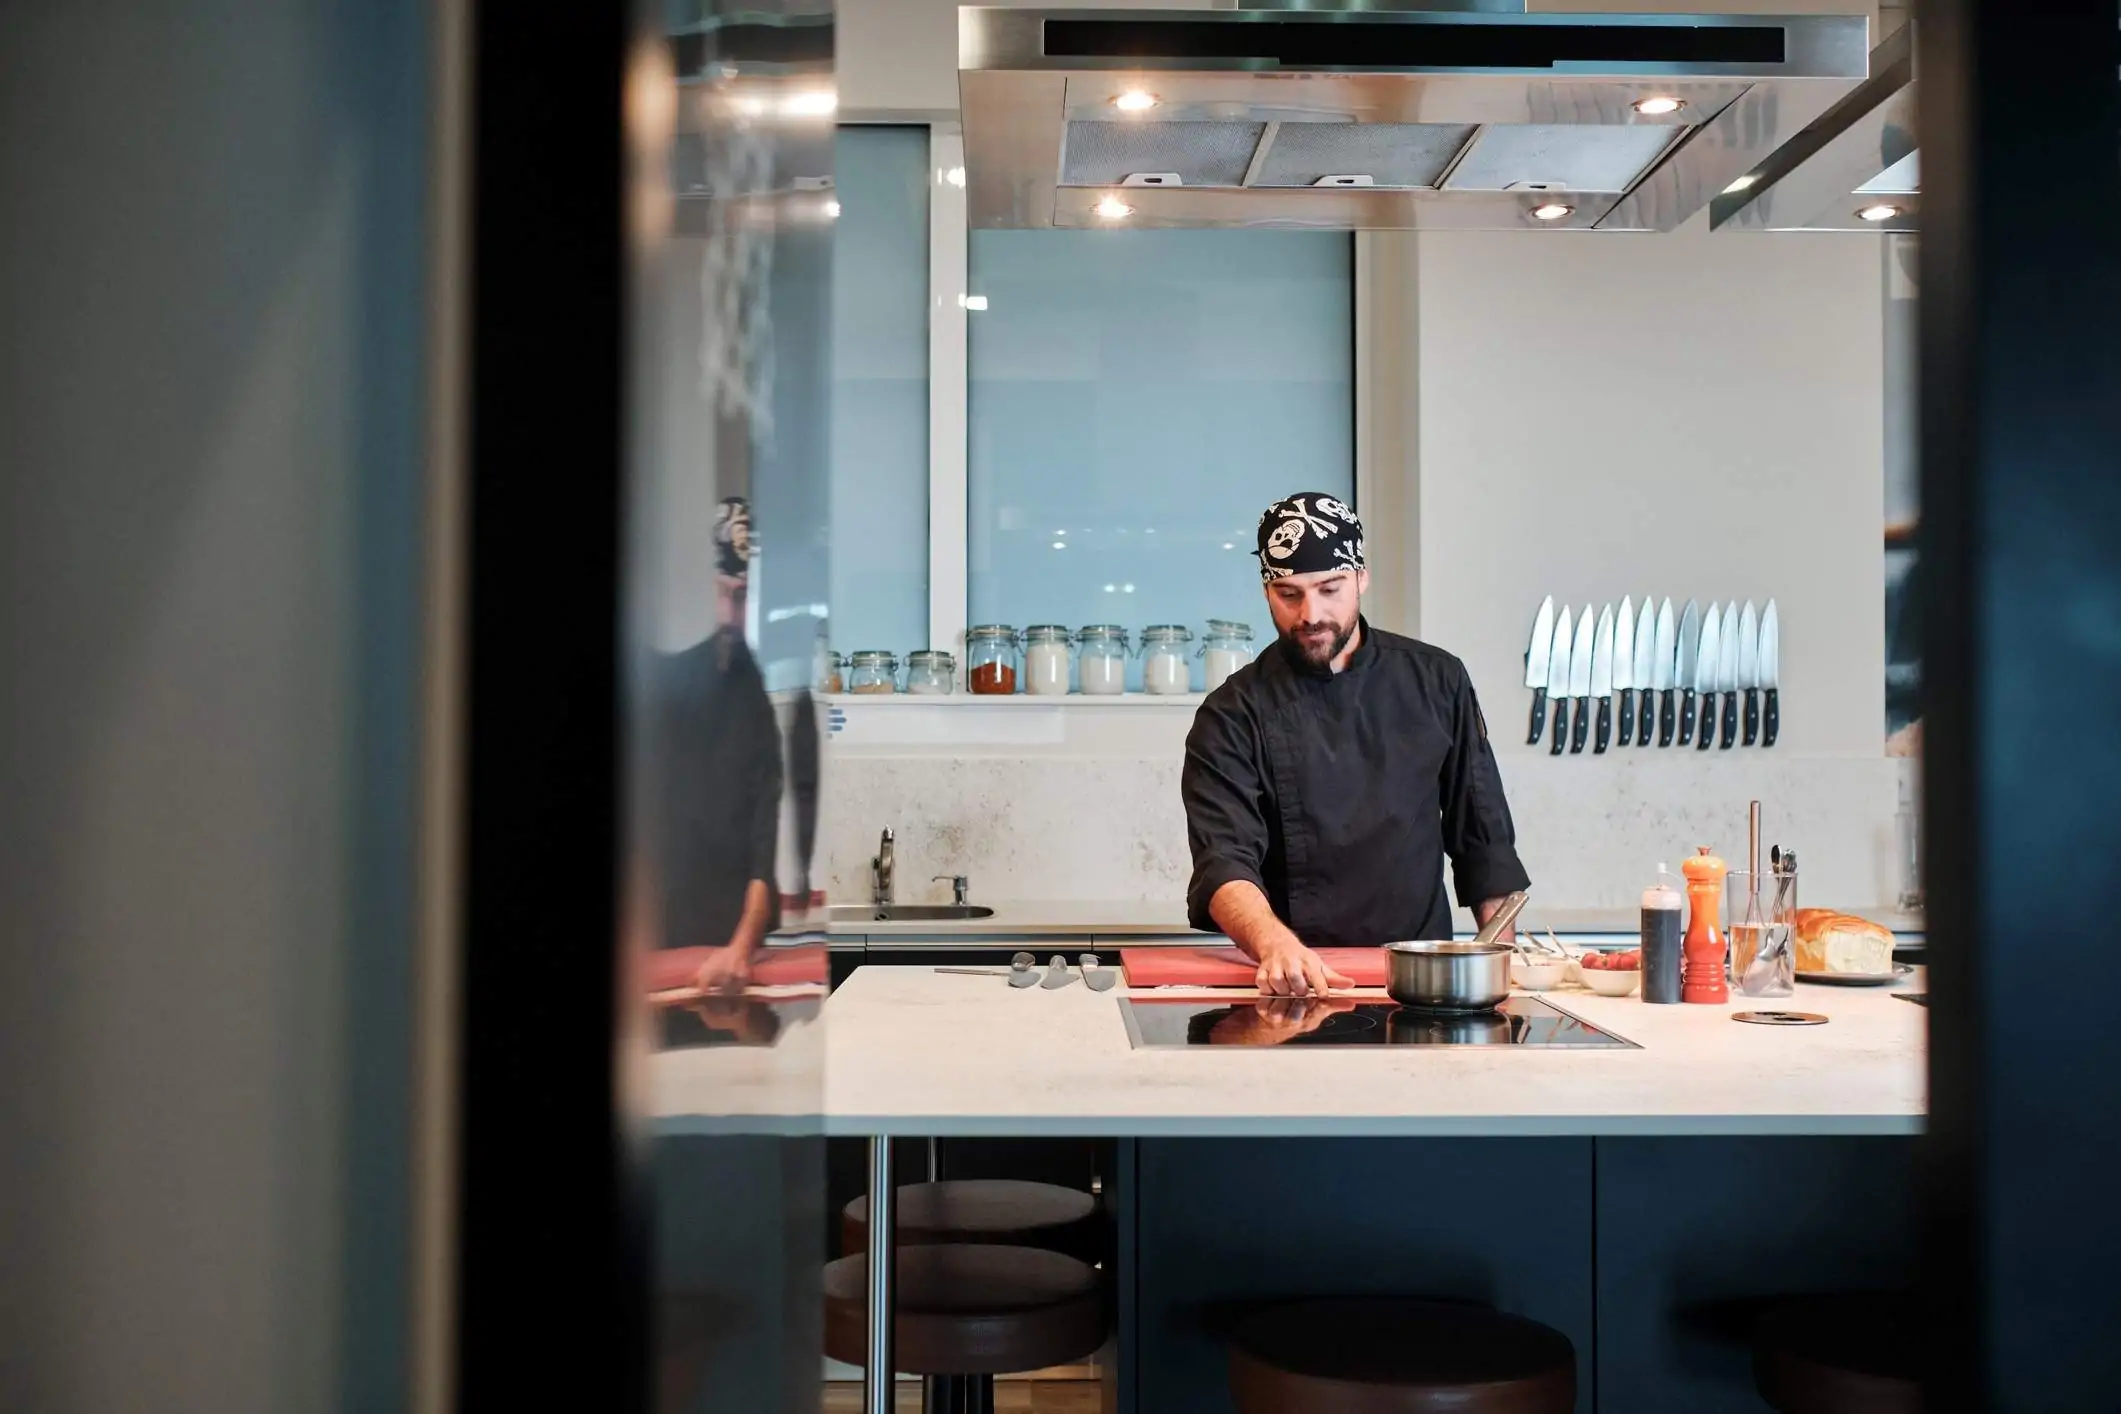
point(1602, 678)
point(1705, 665)
point(1558, 680)
point(1021, 970)
point(1447, 975)
point(1645, 664)
point(1686, 668)
point(1057, 974)
point(1749, 672)
point(1771, 673)
point(1096, 976)
point(973, 971)
point(1504, 915)
point(1538, 656)
point(1559, 946)
point(1727, 673)
point(1703, 979)
point(1580, 678)
point(1857, 979)
point(1615, 983)
point(1624, 668)
point(1663, 663)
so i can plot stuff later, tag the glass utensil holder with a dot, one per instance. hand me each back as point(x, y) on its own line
point(1764, 942)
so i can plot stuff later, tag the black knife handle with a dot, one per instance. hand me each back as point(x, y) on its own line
point(1649, 718)
point(1771, 727)
point(1667, 722)
point(1539, 717)
point(1686, 716)
point(1580, 731)
point(1605, 726)
point(1752, 715)
point(1561, 725)
point(1705, 730)
point(1627, 716)
point(1730, 719)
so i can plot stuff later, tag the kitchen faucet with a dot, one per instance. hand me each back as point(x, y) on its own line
point(880, 869)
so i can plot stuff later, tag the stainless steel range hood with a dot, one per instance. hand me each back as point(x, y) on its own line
point(1378, 119)
point(1855, 169)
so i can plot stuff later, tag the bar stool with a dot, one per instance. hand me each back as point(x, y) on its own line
point(1004, 1212)
point(1398, 1356)
point(967, 1312)
point(1847, 1353)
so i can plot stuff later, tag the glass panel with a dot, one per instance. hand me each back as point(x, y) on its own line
point(1137, 399)
point(880, 391)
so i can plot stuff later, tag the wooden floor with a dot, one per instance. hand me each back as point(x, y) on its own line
point(1010, 1397)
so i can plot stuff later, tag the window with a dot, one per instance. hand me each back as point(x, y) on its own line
point(1137, 398)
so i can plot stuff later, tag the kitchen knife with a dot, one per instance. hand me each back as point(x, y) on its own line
point(1580, 679)
point(1558, 682)
point(1602, 678)
point(1536, 658)
point(1727, 673)
point(1704, 693)
point(1624, 668)
point(1645, 654)
point(1661, 665)
point(1749, 670)
point(1771, 673)
point(1685, 667)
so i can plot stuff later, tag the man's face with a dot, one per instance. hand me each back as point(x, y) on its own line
point(1316, 613)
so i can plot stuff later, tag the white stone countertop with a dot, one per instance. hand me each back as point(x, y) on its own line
point(910, 1051)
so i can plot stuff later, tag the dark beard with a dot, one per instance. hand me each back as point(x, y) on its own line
point(1321, 658)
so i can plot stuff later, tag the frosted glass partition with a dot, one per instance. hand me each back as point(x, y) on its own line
point(880, 391)
point(1137, 399)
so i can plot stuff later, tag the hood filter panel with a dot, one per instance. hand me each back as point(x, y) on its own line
point(1517, 157)
point(1203, 154)
point(1391, 154)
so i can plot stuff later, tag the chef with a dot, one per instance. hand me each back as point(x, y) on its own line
point(1326, 782)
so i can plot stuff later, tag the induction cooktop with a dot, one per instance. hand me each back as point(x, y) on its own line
point(728, 1021)
point(1159, 1023)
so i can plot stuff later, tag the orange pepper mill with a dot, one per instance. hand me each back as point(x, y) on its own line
point(1702, 979)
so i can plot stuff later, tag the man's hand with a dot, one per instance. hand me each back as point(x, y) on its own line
point(725, 970)
point(1289, 969)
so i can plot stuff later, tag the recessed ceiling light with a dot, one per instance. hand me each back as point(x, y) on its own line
point(1135, 100)
point(955, 176)
point(750, 105)
point(832, 210)
point(1659, 106)
point(814, 104)
point(1113, 209)
point(1880, 212)
point(1060, 544)
point(1551, 211)
point(971, 301)
point(1743, 183)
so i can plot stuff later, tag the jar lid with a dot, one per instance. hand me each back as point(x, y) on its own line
point(1167, 633)
point(1228, 628)
point(873, 658)
point(1103, 633)
point(930, 658)
point(1046, 633)
point(1002, 631)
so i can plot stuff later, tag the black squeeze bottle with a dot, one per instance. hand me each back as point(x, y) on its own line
point(1662, 932)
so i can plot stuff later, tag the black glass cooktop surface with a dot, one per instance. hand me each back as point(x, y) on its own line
point(728, 1021)
point(1173, 1022)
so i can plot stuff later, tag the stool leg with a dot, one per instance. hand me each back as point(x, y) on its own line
point(938, 1394)
point(979, 1394)
point(877, 1377)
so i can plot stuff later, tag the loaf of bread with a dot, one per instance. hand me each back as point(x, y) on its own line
point(1840, 942)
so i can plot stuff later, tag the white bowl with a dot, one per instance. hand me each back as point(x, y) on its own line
point(1538, 974)
point(1611, 984)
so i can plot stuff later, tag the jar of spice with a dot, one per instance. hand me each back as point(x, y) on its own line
point(831, 671)
point(990, 660)
point(931, 672)
point(1046, 659)
point(1101, 658)
point(1227, 647)
point(1166, 666)
point(873, 672)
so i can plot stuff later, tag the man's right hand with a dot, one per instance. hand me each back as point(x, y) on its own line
point(1292, 970)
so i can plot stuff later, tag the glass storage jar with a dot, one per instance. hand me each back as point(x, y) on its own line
point(1226, 648)
point(1101, 659)
point(1046, 660)
point(831, 671)
point(990, 660)
point(872, 672)
point(931, 672)
point(1166, 666)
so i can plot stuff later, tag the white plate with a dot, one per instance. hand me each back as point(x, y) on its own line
point(1856, 979)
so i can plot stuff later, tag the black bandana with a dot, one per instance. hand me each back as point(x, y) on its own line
point(732, 537)
point(1308, 533)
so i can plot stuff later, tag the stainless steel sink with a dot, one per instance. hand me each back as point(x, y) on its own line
point(905, 912)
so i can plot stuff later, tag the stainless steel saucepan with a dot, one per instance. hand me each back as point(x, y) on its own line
point(1454, 976)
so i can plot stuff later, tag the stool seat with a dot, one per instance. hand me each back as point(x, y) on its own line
point(1845, 1353)
point(970, 1309)
point(1006, 1212)
point(1396, 1356)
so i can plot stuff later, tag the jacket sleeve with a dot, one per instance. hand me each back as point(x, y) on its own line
point(764, 832)
point(1226, 803)
point(1477, 832)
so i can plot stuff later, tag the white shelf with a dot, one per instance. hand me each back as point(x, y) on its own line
point(1023, 700)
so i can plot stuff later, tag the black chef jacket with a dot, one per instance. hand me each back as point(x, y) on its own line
point(1339, 794)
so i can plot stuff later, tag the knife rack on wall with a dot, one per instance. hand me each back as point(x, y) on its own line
point(1689, 679)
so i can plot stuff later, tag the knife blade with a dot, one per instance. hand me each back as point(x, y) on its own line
point(1624, 667)
point(1661, 669)
point(1704, 695)
point(1602, 678)
point(1645, 655)
point(1537, 655)
point(1771, 673)
point(1685, 667)
point(1580, 679)
point(1558, 682)
point(1727, 673)
point(1749, 669)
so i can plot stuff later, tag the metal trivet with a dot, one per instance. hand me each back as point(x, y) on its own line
point(1780, 1018)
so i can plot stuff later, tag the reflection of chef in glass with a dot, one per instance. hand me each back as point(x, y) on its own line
point(719, 779)
point(1271, 1021)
